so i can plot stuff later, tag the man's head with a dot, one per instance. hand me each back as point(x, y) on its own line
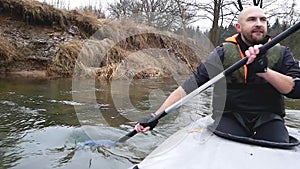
point(252, 24)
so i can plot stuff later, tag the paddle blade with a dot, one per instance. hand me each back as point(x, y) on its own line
point(98, 143)
point(127, 136)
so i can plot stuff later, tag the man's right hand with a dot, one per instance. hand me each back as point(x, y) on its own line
point(145, 124)
point(141, 129)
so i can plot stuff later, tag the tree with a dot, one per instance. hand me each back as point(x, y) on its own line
point(215, 25)
point(218, 12)
point(177, 15)
point(163, 14)
point(224, 12)
point(287, 11)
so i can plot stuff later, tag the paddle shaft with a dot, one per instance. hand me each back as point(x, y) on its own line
point(217, 78)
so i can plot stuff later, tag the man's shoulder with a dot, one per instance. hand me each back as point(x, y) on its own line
point(229, 47)
point(228, 44)
point(219, 51)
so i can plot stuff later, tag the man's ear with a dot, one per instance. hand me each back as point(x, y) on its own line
point(238, 27)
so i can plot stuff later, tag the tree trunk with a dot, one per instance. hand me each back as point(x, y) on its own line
point(214, 35)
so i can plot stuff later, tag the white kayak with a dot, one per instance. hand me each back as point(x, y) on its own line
point(196, 147)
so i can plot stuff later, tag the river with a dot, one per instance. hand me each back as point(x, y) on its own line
point(44, 123)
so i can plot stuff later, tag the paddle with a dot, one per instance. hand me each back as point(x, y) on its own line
point(212, 81)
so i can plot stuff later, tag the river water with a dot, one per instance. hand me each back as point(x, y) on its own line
point(44, 123)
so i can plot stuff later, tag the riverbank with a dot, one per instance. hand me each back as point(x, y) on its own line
point(39, 40)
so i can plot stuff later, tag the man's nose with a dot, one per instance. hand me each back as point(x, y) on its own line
point(259, 22)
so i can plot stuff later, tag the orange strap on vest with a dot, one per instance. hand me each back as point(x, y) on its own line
point(234, 40)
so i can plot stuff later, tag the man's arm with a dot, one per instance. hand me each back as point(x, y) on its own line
point(283, 83)
point(174, 97)
point(213, 63)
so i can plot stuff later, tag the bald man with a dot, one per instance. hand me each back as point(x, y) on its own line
point(250, 103)
point(252, 25)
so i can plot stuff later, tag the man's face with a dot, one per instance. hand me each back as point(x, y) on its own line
point(252, 25)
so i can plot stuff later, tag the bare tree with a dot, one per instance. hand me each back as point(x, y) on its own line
point(218, 12)
point(214, 35)
point(163, 14)
point(179, 14)
point(286, 11)
point(222, 12)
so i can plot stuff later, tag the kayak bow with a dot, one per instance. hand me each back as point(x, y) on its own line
point(195, 146)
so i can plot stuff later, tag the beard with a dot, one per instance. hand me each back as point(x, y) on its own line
point(253, 39)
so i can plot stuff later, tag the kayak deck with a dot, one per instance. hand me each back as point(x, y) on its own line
point(196, 147)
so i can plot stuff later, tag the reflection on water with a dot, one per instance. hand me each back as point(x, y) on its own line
point(293, 113)
point(40, 127)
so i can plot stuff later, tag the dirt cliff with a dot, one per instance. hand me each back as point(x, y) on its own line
point(39, 40)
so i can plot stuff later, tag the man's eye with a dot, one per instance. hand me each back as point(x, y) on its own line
point(251, 19)
point(263, 19)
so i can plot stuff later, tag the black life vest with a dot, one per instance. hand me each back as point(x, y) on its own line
point(247, 92)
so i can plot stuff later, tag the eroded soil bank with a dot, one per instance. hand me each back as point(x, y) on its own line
point(38, 40)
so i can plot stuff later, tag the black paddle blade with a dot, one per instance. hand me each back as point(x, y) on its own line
point(127, 136)
point(98, 143)
point(109, 143)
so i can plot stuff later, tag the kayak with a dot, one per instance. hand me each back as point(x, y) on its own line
point(196, 146)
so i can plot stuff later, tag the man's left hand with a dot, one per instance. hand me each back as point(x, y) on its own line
point(252, 52)
point(260, 63)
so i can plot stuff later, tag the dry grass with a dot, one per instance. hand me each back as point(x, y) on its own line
point(65, 58)
point(33, 12)
point(124, 50)
point(87, 22)
point(37, 13)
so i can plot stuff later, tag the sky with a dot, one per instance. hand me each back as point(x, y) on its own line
point(79, 3)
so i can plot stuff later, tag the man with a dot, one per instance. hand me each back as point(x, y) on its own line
point(254, 105)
